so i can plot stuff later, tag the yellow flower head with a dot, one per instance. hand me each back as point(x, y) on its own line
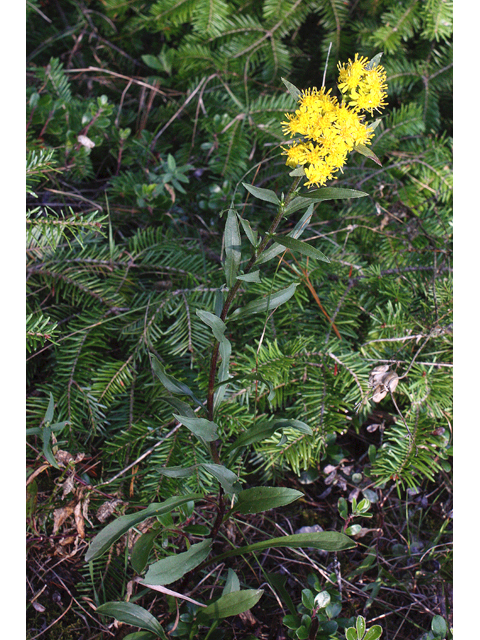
point(329, 131)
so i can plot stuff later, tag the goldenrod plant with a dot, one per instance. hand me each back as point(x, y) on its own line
point(333, 138)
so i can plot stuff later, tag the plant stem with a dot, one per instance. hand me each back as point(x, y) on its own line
point(231, 295)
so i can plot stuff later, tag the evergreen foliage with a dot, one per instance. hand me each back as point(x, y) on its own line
point(138, 140)
point(121, 291)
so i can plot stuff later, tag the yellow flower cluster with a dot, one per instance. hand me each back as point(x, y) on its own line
point(329, 130)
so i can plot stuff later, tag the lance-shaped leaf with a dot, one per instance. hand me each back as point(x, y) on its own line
point(113, 531)
point(133, 614)
point(297, 231)
point(368, 153)
point(263, 431)
point(231, 604)
point(141, 549)
point(269, 303)
point(325, 540)
point(333, 193)
point(262, 194)
point(292, 89)
point(201, 427)
point(227, 478)
point(141, 635)
point(232, 583)
point(47, 447)
point(253, 276)
point(258, 499)
point(178, 472)
point(214, 322)
point(249, 232)
point(374, 61)
point(38, 431)
point(180, 407)
point(169, 382)
point(294, 424)
point(170, 569)
point(219, 327)
point(233, 241)
point(50, 408)
point(302, 247)
point(278, 583)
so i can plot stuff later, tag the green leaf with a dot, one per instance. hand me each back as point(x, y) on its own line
point(302, 633)
point(170, 569)
point(50, 408)
point(37, 431)
point(302, 247)
point(278, 583)
point(153, 62)
point(351, 634)
point(332, 193)
point(263, 431)
point(258, 499)
point(267, 303)
point(219, 327)
point(169, 382)
point(262, 194)
point(285, 423)
point(231, 604)
point(232, 583)
point(439, 626)
point(353, 530)
point(255, 434)
point(177, 472)
point(373, 633)
point(329, 627)
point(361, 626)
point(133, 614)
point(296, 203)
point(227, 478)
point(325, 540)
point(47, 447)
point(214, 322)
point(374, 61)
point(307, 599)
point(253, 276)
point(292, 621)
point(299, 228)
point(141, 549)
point(322, 599)
point(292, 89)
point(233, 241)
point(180, 407)
point(368, 153)
point(249, 232)
point(120, 526)
point(201, 427)
point(141, 635)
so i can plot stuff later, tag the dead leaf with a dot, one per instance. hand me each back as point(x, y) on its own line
point(106, 509)
point(63, 458)
point(79, 521)
point(36, 473)
point(85, 141)
point(68, 485)
point(60, 515)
